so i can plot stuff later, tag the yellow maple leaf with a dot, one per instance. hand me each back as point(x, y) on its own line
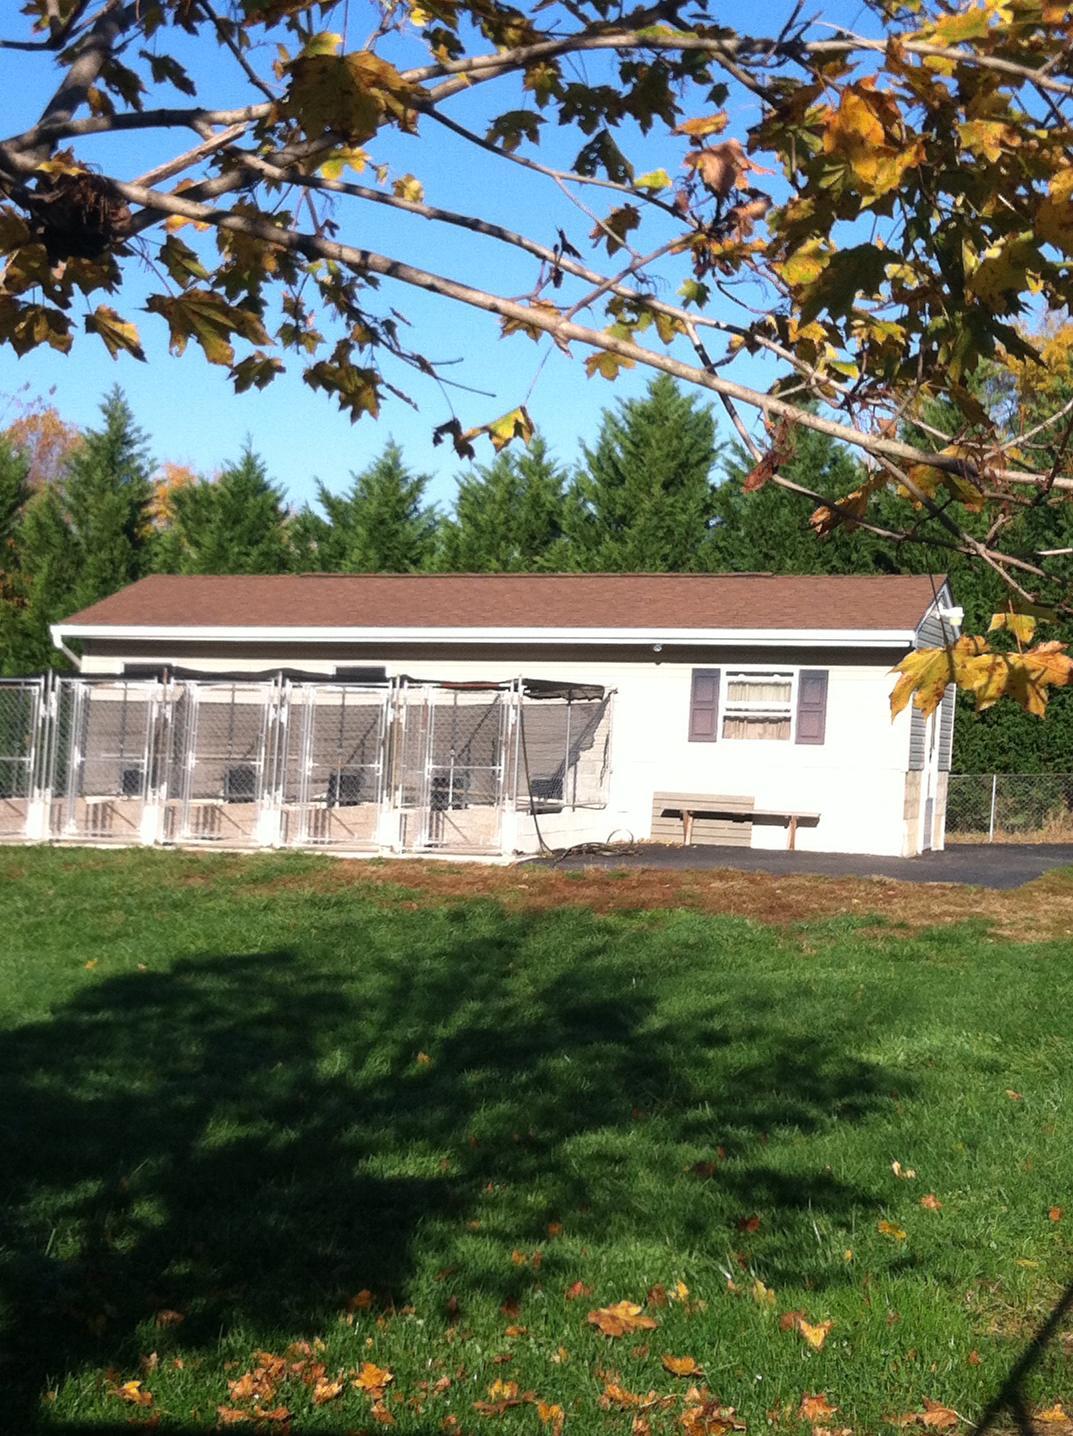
point(135, 1393)
point(325, 1391)
point(409, 188)
point(925, 673)
point(888, 1229)
point(763, 1295)
point(1054, 217)
point(704, 125)
point(1053, 1414)
point(815, 1333)
point(622, 1318)
point(1021, 625)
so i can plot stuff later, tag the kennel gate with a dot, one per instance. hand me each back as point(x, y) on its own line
point(103, 752)
point(331, 770)
point(452, 766)
point(22, 708)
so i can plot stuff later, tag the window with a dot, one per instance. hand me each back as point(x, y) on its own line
point(776, 707)
point(758, 705)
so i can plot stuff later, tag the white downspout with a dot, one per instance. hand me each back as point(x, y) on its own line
point(57, 642)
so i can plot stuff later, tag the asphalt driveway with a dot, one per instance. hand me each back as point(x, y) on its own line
point(988, 865)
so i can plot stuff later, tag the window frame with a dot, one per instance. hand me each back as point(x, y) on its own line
point(747, 708)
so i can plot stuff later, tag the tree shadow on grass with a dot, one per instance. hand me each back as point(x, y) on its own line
point(249, 1140)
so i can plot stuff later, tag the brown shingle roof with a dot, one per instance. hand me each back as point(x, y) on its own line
point(504, 601)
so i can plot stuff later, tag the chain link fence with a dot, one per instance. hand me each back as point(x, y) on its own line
point(1010, 808)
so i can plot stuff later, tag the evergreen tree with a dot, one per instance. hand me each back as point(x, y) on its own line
point(642, 500)
point(237, 523)
point(48, 574)
point(508, 515)
point(107, 493)
point(14, 495)
point(768, 531)
point(380, 526)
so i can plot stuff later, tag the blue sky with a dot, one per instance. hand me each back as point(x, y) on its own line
point(189, 408)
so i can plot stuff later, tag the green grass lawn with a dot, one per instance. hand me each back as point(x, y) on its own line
point(236, 1093)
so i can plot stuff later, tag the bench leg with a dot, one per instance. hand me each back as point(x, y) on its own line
point(687, 828)
point(791, 841)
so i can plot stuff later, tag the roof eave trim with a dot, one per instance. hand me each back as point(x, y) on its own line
point(617, 637)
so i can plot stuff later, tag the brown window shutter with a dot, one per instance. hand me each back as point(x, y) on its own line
point(812, 705)
point(704, 706)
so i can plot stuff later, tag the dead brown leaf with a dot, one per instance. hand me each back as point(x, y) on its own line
point(815, 1408)
point(680, 1365)
point(622, 1318)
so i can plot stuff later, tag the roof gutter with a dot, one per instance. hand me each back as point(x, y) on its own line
point(610, 637)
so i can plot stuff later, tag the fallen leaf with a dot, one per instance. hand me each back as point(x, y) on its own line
point(551, 1414)
point(1014, 1096)
point(579, 1289)
point(1055, 1214)
point(973, 1358)
point(325, 1391)
point(622, 1318)
point(373, 1379)
point(423, 1059)
point(888, 1229)
point(763, 1295)
point(362, 1301)
point(931, 1202)
point(680, 1365)
point(708, 1418)
point(555, 1229)
point(167, 1317)
point(815, 1335)
point(815, 1408)
point(231, 1415)
point(1054, 1413)
point(91, 964)
point(938, 1417)
point(905, 1174)
point(749, 1224)
point(135, 1393)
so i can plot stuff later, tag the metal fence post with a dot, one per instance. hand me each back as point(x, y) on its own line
point(991, 822)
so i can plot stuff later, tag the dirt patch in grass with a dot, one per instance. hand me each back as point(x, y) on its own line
point(1038, 911)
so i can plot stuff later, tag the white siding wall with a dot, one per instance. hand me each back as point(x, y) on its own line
point(856, 780)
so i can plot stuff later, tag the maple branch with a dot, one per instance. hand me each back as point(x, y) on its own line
point(556, 259)
point(369, 261)
point(181, 162)
point(170, 118)
point(227, 39)
point(60, 31)
point(730, 47)
point(92, 53)
point(560, 177)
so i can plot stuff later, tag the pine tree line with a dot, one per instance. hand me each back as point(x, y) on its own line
point(653, 493)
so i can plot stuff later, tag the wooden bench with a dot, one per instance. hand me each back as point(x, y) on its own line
point(717, 820)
